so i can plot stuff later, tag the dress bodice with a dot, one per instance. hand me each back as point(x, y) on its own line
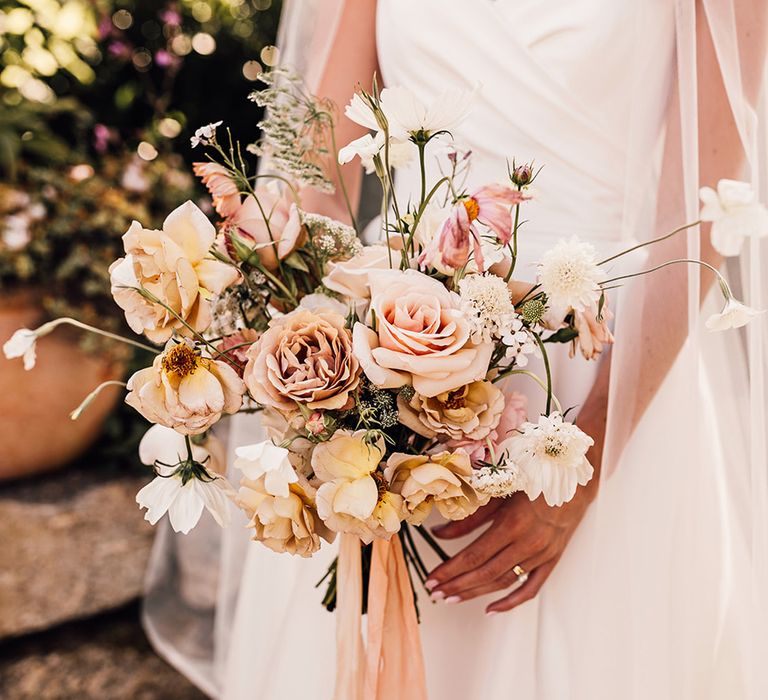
point(577, 85)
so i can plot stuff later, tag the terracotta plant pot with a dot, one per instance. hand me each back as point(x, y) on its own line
point(36, 433)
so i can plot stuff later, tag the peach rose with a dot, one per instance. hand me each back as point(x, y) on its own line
point(173, 265)
point(304, 357)
point(283, 523)
point(271, 238)
point(350, 277)
point(421, 337)
point(469, 412)
point(441, 480)
point(185, 391)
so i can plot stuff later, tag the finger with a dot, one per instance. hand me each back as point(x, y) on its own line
point(459, 528)
point(526, 592)
point(471, 557)
point(495, 575)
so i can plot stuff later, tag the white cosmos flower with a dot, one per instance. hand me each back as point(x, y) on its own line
point(165, 445)
point(22, 344)
point(270, 461)
point(551, 456)
point(734, 315)
point(406, 113)
point(205, 134)
point(360, 112)
point(164, 449)
point(368, 147)
point(570, 277)
point(184, 502)
point(735, 214)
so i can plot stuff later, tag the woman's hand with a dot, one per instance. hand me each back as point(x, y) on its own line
point(523, 533)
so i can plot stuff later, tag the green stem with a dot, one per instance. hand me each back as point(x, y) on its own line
point(547, 369)
point(432, 543)
point(535, 377)
point(651, 242)
point(723, 284)
point(513, 250)
point(48, 327)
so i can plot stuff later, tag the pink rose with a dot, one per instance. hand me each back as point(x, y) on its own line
point(271, 238)
point(235, 346)
point(419, 336)
point(515, 413)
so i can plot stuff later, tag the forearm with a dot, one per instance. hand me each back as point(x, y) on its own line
point(351, 63)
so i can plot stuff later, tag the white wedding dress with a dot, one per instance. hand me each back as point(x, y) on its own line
point(629, 612)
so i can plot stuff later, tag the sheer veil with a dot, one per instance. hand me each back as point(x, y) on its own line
point(712, 511)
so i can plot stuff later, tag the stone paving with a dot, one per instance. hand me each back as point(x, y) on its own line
point(74, 549)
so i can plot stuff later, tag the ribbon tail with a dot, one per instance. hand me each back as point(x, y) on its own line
point(349, 642)
point(394, 667)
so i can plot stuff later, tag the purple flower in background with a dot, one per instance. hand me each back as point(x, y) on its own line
point(165, 59)
point(119, 49)
point(101, 137)
point(171, 16)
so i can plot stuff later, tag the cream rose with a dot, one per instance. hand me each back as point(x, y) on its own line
point(283, 523)
point(174, 266)
point(421, 336)
point(469, 412)
point(303, 358)
point(185, 391)
point(355, 497)
point(441, 480)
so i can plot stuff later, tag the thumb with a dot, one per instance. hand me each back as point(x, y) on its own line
point(459, 528)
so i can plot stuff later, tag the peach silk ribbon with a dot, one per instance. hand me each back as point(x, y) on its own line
point(393, 667)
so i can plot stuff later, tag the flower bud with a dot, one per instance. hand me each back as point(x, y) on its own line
point(522, 175)
point(533, 311)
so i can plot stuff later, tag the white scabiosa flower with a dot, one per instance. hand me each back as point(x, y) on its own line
point(487, 303)
point(570, 277)
point(551, 456)
point(270, 461)
point(734, 315)
point(22, 344)
point(498, 481)
point(735, 214)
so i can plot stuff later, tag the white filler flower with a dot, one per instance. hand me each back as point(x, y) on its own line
point(270, 461)
point(551, 456)
point(498, 481)
point(487, 303)
point(570, 277)
point(735, 214)
point(205, 135)
point(734, 315)
point(166, 493)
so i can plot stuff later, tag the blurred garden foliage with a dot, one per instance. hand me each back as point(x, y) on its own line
point(99, 99)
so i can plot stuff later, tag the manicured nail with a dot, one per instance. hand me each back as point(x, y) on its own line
point(430, 584)
point(437, 595)
point(453, 599)
point(491, 613)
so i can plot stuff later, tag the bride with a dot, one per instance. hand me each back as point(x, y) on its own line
point(647, 584)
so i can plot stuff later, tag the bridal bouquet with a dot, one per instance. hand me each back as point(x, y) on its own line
point(380, 371)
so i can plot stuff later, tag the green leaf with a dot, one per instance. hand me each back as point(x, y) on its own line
point(564, 335)
point(295, 261)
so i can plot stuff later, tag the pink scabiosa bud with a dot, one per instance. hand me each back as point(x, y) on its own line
point(316, 423)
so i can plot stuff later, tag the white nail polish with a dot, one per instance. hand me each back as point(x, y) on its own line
point(491, 613)
point(430, 584)
point(453, 599)
point(437, 595)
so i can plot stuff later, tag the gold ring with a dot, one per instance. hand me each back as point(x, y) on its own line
point(519, 571)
